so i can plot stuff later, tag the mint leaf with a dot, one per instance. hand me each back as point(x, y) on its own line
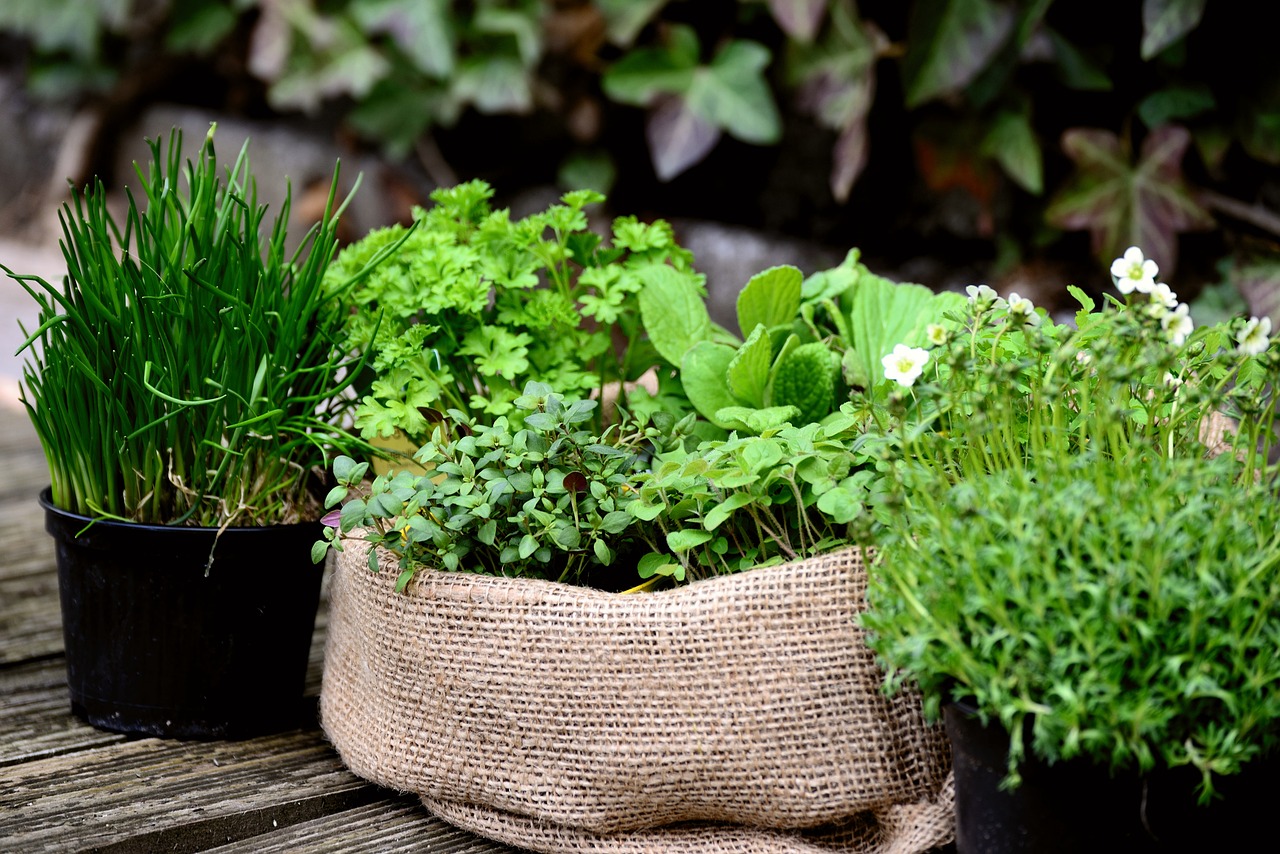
point(702, 372)
point(771, 298)
point(673, 311)
point(748, 372)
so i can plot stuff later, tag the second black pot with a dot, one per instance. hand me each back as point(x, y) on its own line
point(156, 645)
point(1077, 806)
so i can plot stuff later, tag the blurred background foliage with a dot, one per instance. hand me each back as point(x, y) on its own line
point(993, 133)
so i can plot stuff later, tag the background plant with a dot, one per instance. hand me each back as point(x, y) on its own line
point(1149, 135)
point(187, 370)
point(1124, 609)
point(545, 500)
point(469, 306)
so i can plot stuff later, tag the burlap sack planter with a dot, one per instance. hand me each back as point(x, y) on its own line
point(741, 713)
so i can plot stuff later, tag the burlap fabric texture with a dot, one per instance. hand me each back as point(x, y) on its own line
point(736, 714)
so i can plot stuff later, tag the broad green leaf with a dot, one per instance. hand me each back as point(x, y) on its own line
point(1176, 103)
point(882, 315)
point(602, 551)
point(949, 42)
point(1123, 204)
point(702, 372)
point(1012, 143)
point(805, 379)
point(827, 284)
point(732, 93)
point(799, 19)
point(642, 75)
point(673, 312)
point(840, 504)
point(319, 550)
point(682, 541)
point(771, 298)
point(761, 455)
point(678, 136)
point(748, 372)
point(1166, 21)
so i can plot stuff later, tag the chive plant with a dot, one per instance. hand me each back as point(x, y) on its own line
point(187, 370)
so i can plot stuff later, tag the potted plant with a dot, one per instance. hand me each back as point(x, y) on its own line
point(568, 631)
point(185, 385)
point(1084, 568)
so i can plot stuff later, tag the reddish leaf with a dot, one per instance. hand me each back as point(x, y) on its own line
point(678, 138)
point(1122, 204)
point(800, 19)
point(848, 158)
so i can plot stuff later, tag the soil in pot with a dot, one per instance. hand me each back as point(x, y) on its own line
point(156, 645)
point(1077, 806)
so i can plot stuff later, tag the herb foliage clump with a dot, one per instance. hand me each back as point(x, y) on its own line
point(186, 371)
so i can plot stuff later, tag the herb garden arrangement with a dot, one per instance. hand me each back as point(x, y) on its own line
point(656, 584)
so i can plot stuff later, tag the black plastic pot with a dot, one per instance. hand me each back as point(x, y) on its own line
point(1078, 806)
point(156, 645)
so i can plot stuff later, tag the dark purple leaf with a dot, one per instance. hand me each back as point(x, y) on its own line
point(575, 481)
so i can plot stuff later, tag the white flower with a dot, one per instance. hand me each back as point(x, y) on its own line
point(1255, 336)
point(905, 364)
point(1083, 357)
point(1162, 295)
point(1172, 381)
point(935, 334)
point(983, 296)
point(1177, 325)
point(1134, 272)
point(1022, 308)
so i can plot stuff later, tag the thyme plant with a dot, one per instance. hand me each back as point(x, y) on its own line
point(187, 371)
point(1084, 535)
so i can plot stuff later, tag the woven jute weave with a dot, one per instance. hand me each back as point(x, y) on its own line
point(736, 714)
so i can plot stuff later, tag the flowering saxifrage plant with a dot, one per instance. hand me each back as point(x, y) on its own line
point(1085, 537)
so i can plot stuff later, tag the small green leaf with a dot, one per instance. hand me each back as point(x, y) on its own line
point(771, 298)
point(335, 495)
point(682, 541)
point(719, 514)
point(319, 550)
point(488, 532)
point(402, 580)
point(528, 545)
point(656, 564)
point(602, 552)
point(840, 505)
point(642, 75)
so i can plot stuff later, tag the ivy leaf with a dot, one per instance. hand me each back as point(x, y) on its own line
point(1176, 103)
point(799, 19)
point(420, 28)
point(643, 75)
point(732, 93)
point(624, 19)
point(1122, 204)
point(1166, 21)
point(494, 85)
point(949, 42)
point(1074, 68)
point(1012, 143)
point(678, 137)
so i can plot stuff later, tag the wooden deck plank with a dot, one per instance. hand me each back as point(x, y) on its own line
point(174, 796)
point(36, 715)
point(396, 823)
